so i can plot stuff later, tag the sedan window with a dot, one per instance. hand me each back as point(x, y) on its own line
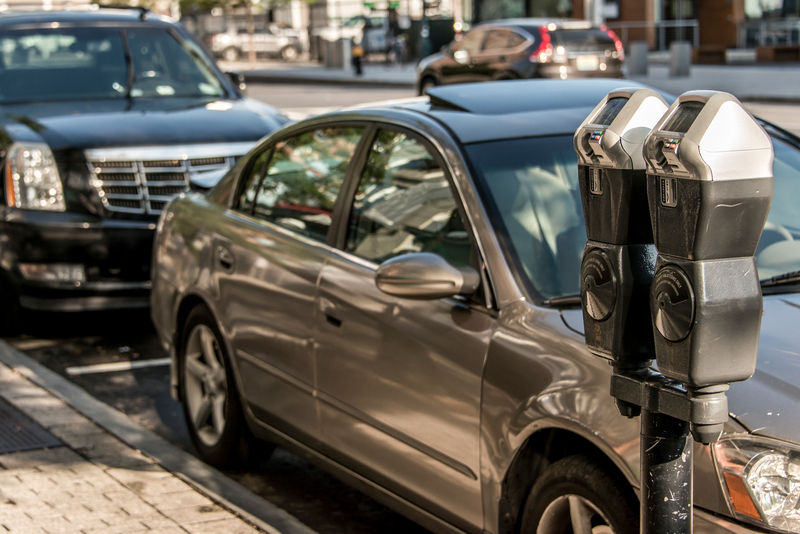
point(404, 204)
point(532, 190)
point(516, 40)
point(303, 180)
point(471, 42)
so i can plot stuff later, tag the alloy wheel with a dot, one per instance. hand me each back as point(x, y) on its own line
point(573, 513)
point(206, 385)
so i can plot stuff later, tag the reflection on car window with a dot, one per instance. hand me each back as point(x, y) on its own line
point(163, 66)
point(532, 190)
point(62, 64)
point(496, 40)
point(516, 39)
point(779, 248)
point(471, 42)
point(252, 182)
point(303, 180)
point(56, 64)
point(404, 204)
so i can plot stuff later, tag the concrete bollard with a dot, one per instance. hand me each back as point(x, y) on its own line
point(637, 58)
point(680, 58)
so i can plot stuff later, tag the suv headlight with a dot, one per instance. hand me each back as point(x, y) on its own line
point(761, 479)
point(32, 180)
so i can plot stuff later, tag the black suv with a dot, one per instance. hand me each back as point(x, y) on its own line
point(525, 48)
point(105, 115)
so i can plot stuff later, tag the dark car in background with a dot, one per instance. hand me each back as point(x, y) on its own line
point(525, 48)
point(393, 293)
point(105, 115)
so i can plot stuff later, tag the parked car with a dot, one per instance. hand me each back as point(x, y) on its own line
point(270, 42)
point(525, 48)
point(370, 31)
point(393, 293)
point(105, 115)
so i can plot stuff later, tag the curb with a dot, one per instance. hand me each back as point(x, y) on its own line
point(205, 479)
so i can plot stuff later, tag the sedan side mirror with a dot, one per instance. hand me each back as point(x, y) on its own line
point(424, 275)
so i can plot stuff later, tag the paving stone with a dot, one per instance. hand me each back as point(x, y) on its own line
point(76, 429)
point(122, 528)
point(157, 486)
point(105, 446)
point(225, 526)
point(52, 417)
point(169, 530)
point(196, 514)
point(126, 476)
point(180, 499)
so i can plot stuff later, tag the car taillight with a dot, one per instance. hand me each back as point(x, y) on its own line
point(544, 51)
point(617, 42)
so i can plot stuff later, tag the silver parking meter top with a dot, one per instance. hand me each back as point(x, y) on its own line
point(613, 134)
point(707, 136)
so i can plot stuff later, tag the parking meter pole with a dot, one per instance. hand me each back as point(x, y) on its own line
point(666, 479)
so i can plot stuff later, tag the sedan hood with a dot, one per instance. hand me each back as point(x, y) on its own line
point(766, 403)
point(118, 123)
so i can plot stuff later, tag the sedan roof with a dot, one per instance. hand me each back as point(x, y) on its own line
point(81, 16)
point(521, 108)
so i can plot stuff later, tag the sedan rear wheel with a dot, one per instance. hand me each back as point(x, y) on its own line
point(211, 405)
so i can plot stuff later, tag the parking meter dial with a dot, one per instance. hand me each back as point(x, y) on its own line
point(673, 309)
point(599, 292)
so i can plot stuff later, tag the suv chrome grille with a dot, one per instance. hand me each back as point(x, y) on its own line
point(143, 179)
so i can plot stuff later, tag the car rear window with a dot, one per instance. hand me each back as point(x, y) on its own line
point(581, 37)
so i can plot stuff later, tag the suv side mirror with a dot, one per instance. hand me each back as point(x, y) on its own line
point(423, 275)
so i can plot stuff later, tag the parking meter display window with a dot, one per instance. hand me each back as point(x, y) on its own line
point(610, 111)
point(684, 117)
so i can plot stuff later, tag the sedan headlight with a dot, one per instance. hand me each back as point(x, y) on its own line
point(761, 478)
point(32, 180)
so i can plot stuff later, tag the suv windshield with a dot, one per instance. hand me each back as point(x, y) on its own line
point(56, 64)
point(531, 188)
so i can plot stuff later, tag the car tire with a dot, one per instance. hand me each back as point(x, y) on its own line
point(289, 54)
point(211, 403)
point(577, 486)
point(427, 84)
point(230, 54)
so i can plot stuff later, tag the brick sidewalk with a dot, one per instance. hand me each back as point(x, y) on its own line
point(95, 483)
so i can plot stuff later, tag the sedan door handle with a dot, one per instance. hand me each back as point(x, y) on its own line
point(335, 321)
point(225, 257)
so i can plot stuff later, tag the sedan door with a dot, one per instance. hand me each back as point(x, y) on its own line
point(268, 260)
point(460, 67)
point(400, 380)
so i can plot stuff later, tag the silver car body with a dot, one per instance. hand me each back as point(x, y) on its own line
point(438, 408)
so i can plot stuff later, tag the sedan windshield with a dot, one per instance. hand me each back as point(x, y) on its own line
point(531, 188)
point(57, 64)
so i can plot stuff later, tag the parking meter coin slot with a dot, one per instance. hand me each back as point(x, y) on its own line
point(599, 289)
point(673, 304)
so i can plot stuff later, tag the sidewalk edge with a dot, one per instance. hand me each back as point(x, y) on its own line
point(202, 477)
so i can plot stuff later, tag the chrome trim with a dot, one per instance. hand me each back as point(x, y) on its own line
point(158, 153)
point(143, 179)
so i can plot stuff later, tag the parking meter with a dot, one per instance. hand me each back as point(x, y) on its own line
point(709, 186)
point(619, 258)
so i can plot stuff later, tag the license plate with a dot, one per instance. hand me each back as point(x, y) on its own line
point(587, 62)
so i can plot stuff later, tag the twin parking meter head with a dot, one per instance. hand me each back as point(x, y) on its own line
point(619, 257)
point(709, 184)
